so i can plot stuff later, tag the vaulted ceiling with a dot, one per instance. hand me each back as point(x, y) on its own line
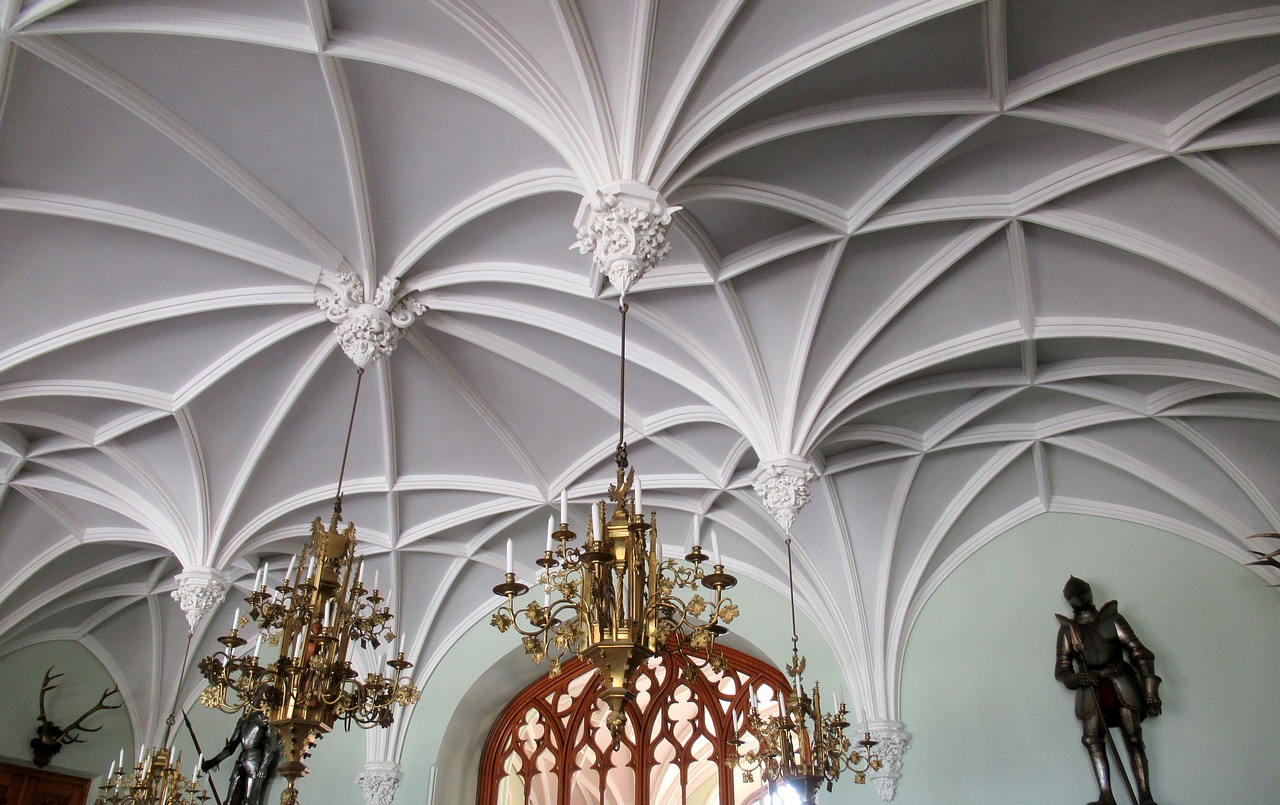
point(972, 260)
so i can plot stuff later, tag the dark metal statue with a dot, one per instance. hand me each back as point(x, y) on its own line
point(1092, 645)
point(259, 749)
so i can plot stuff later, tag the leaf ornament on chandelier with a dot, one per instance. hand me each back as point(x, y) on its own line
point(614, 601)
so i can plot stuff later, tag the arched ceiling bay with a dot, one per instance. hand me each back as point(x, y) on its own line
point(973, 260)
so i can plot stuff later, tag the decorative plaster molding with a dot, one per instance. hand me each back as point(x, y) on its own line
point(893, 745)
point(782, 483)
point(379, 781)
point(369, 330)
point(200, 590)
point(625, 226)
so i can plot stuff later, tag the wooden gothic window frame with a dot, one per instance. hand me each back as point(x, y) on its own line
point(547, 732)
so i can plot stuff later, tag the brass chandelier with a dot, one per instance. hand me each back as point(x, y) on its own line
point(801, 747)
point(613, 601)
point(157, 778)
point(317, 615)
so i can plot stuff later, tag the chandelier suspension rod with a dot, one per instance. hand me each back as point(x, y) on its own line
point(177, 693)
point(791, 592)
point(621, 456)
point(346, 448)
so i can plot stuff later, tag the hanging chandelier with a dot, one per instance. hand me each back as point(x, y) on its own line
point(801, 747)
point(157, 778)
point(614, 601)
point(317, 615)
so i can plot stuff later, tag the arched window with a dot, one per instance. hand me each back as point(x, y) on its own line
point(550, 745)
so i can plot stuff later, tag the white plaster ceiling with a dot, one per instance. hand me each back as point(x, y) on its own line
point(975, 260)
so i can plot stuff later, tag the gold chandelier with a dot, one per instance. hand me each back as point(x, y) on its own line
point(316, 615)
point(615, 601)
point(801, 747)
point(155, 780)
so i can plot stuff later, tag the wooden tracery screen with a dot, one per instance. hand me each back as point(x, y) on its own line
point(550, 746)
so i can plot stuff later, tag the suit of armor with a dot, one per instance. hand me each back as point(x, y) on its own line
point(255, 763)
point(1110, 691)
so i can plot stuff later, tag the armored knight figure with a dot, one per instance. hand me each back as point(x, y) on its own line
point(259, 750)
point(1092, 645)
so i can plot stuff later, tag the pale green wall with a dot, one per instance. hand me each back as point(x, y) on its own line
point(990, 723)
point(83, 681)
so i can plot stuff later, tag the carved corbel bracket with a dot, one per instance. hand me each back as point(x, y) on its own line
point(200, 590)
point(782, 482)
point(893, 745)
point(379, 782)
point(624, 226)
point(368, 329)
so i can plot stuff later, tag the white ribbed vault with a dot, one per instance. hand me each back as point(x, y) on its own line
point(974, 261)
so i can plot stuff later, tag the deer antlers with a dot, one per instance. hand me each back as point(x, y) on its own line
point(50, 737)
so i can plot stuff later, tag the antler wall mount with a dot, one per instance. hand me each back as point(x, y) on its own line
point(50, 738)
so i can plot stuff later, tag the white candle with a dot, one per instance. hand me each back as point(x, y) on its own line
point(311, 567)
point(142, 753)
point(551, 529)
point(235, 619)
point(257, 647)
point(200, 762)
point(121, 764)
point(639, 505)
point(511, 557)
point(755, 703)
point(111, 770)
point(546, 597)
point(293, 563)
point(360, 572)
point(375, 578)
point(697, 529)
point(564, 505)
point(597, 522)
point(266, 568)
point(715, 547)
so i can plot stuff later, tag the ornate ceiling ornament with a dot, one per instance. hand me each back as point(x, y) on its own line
point(200, 590)
point(379, 782)
point(893, 744)
point(783, 486)
point(368, 330)
point(625, 226)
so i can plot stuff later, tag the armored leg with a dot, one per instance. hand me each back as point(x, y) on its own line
point(1129, 722)
point(1095, 744)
